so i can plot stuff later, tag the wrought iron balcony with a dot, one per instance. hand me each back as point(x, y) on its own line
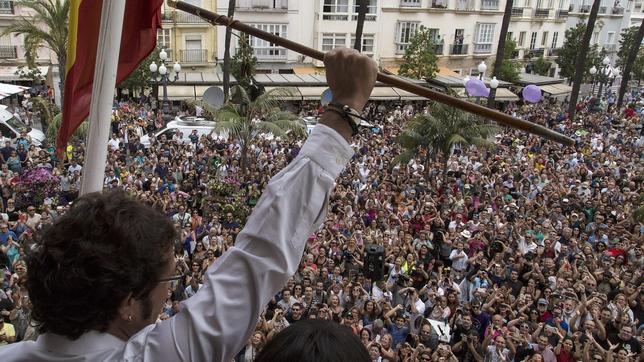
point(489, 4)
point(194, 56)
point(535, 53)
point(410, 3)
point(464, 5)
point(562, 14)
point(584, 9)
point(458, 49)
point(541, 13)
point(610, 47)
point(8, 52)
point(438, 49)
point(618, 10)
point(517, 12)
point(482, 48)
point(6, 7)
point(184, 18)
point(439, 4)
point(602, 10)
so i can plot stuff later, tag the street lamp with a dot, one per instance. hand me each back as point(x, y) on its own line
point(494, 84)
point(593, 71)
point(482, 68)
point(161, 76)
point(606, 74)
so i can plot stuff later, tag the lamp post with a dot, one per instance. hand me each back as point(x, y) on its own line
point(593, 71)
point(494, 84)
point(606, 73)
point(161, 76)
point(482, 67)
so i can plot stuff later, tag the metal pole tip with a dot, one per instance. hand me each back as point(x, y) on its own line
point(172, 3)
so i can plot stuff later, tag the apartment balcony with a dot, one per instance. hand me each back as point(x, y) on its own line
point(438, 49)
point(194, 56)
point(584, 9)
point(270, 54)
point(610, 47)
point(6, 8)
point(482, 48)
point(410, 3)
point(458, 49)
point(181, 17)
point(618, 10)
point(561, 14)
point(517, 12)
point(551, 52)
point(464, 5)
point(541, 13)
point(602, 10)
point(439, 4)
point(535, 53)
point(489, 4)
point(8, 52)
point(335, 16)
point(274, 5)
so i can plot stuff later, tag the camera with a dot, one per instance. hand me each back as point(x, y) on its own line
point(402, 279)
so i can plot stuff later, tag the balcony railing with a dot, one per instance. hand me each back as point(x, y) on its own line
point(438, 49)
point(262, 4)
point(489, 4)
point(535, 53)
point(541, 13)
point(602, 10)
point(270, 53)
point(458, 49)
point(517, 12)
point(335, 16)
point(482, 48)
point(410, 3)
point(185, 18)
point(439, 4)
point(8, 52)
point(551, 52)
point(562, 14)
point(194, 56)
point(6, 7)
point(584, 9)
point(618, 10)
point(464, 5)
point(610, 47)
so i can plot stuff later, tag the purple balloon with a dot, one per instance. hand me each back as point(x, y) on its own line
point(532, 93)
point(476, 88)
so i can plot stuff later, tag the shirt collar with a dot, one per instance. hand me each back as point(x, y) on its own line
point(91, 341)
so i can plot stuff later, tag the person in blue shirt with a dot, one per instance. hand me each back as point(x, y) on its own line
point(5, 234)
point(399, 329)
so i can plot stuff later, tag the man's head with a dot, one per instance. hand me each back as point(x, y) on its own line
point(101, 265)
point(297, 310)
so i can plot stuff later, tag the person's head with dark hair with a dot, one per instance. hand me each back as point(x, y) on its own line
point(314, 340)
point(101, 267)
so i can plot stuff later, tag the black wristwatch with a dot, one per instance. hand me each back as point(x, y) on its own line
point(349, 114)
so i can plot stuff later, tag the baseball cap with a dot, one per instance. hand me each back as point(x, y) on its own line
point(542, 301)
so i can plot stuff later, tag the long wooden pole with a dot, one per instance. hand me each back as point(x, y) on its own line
point(397, 82)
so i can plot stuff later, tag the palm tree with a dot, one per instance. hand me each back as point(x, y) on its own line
point(229, 32)
point(362, 13)
point(500, 48)
point(54, 125)
point(46, 28)
point(581, 60)
point(439, 131)
point(632, 55)
point(240, 119)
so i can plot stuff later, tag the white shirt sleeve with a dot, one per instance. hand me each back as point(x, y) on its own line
point(215, 323)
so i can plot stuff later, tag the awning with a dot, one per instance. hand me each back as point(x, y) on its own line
point(179, 92)
point(311, 93)
point(296, 96)
point(7, 90)
point(504, 95)
point(8, 73)
point(556, 89)
point(308, 70)
point(392, 69)
point(407, 96)
point(384, 93)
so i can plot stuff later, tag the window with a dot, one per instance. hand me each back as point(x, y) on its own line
point(333, 40)
point(263, 49)
point(372, 7)
point(368, 43)
point(6, 131)
point(533, 40)
point(609, 37)
point(163, 38)
point(404, 33)
point(521, 38)
point(555, 37)
point(544, 39)
point(510, 35)
point(483, 38)
point(595, 37)
point(335, 10)
point(409, 2)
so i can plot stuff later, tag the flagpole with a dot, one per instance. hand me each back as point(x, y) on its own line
point(100, 112)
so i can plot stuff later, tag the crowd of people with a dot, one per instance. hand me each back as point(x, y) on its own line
point(525, 251)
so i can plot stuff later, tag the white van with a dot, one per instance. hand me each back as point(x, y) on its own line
point(184, 125)
point(10, 128)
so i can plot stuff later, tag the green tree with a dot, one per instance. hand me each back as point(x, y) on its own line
point(141, 78)
point(567, 55)
point(500, 48)
point(638, 66)
point(632, 64)
point(541, 66)
point(244, 62)
point(47, 28)
point(239, 119)
point(509, 69)
point(420, 58)
point(439, 131)
point(626, 41)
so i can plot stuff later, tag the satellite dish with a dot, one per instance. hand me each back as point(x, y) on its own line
point(326, 97)
point(213, 96)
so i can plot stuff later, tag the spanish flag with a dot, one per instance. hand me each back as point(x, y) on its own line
point(141, 21)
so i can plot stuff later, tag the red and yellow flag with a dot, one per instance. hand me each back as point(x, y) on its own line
point(141, 21)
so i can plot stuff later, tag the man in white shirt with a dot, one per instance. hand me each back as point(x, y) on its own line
point(101, 275)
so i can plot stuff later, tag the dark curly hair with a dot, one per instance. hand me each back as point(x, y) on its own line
point(105, 247)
